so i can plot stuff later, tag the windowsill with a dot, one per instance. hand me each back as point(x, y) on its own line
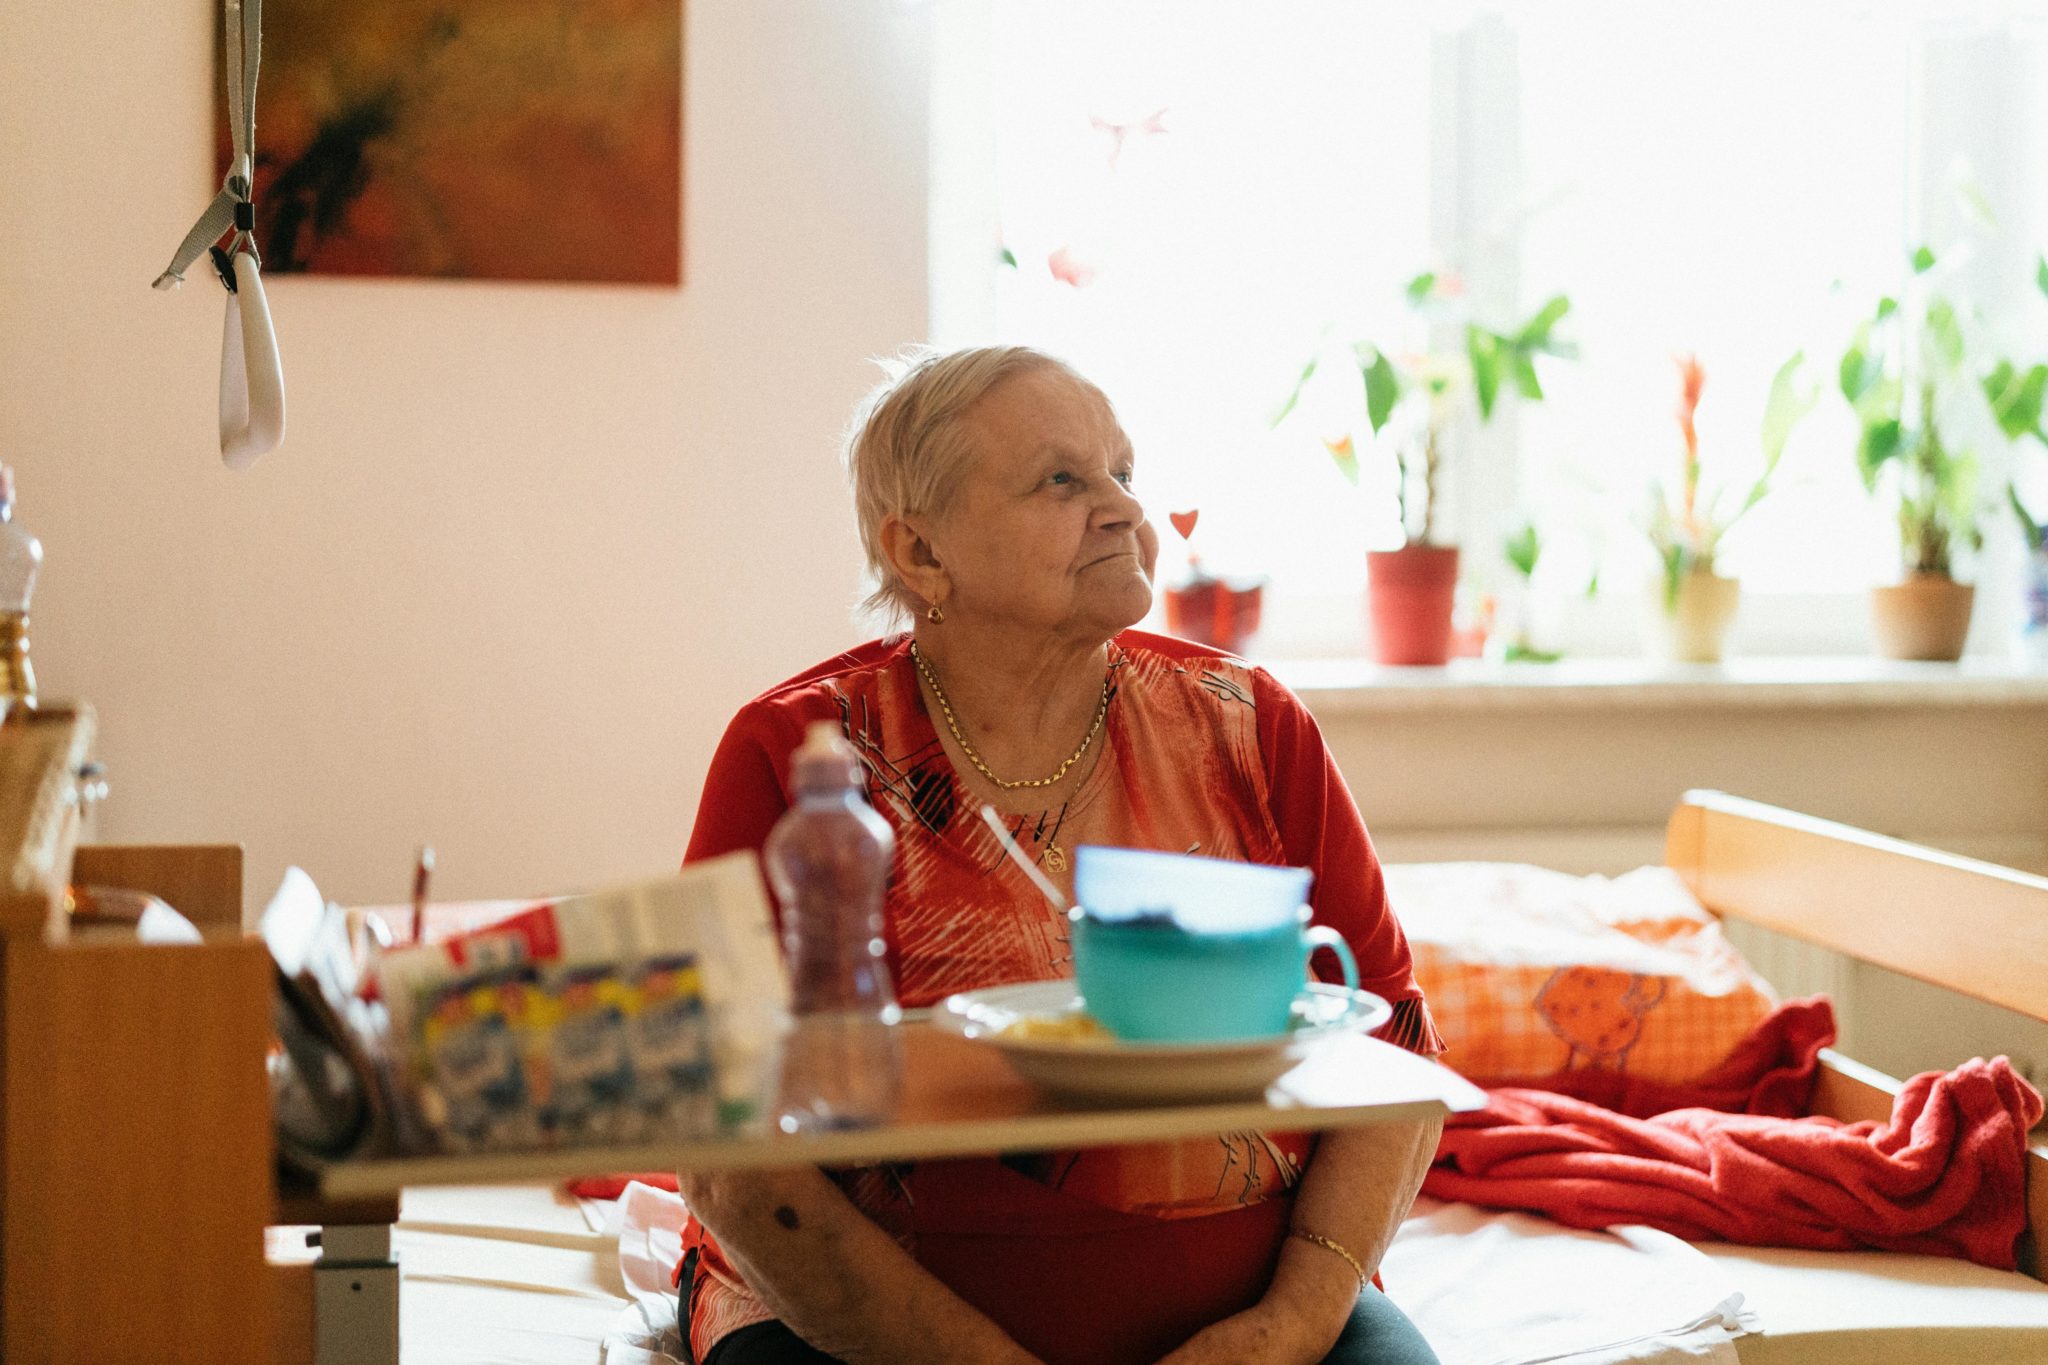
point(1350, 686)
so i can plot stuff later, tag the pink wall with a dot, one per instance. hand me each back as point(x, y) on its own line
point(525, 548)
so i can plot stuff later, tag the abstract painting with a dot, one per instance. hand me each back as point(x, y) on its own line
point(474, 139)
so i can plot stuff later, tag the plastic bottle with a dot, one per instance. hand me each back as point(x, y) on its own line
point(828, 858)
point(21, 556)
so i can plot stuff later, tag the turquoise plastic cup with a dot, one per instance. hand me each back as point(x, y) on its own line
point(1152, 978)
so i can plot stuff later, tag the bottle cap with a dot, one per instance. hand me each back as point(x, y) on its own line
point(824, 759)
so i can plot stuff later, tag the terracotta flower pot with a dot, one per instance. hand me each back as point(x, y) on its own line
point(1925, 617)
point(1409, 593)
point(1211, 611)
point(1693, 628)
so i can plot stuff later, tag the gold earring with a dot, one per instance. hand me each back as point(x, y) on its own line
point(934, 614)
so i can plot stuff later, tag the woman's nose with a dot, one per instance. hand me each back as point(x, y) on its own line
point(1119, 507)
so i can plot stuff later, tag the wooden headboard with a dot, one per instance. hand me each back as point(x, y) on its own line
point(1971, 927)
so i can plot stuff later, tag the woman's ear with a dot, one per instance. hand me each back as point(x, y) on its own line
point(915, 561)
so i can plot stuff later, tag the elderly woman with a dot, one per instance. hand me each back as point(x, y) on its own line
point(995, 503)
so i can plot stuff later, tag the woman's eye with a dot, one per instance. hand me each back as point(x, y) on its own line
point(1060, 479)
point(1126, 477)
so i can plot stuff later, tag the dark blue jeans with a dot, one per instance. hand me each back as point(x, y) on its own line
point(1379, 1333)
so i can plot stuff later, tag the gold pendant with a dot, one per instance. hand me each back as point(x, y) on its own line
point(1056, 857)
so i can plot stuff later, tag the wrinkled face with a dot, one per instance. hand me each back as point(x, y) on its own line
point(1044, 534)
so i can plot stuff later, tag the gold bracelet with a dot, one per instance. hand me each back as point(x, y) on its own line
point(1328, 1245)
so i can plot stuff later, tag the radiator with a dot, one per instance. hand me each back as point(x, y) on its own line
point(1795, 968)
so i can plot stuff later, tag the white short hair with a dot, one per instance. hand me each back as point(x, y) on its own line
point(907, 453)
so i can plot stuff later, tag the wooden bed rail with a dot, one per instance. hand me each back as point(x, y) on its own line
point(1955, 922)
point(1967, 926)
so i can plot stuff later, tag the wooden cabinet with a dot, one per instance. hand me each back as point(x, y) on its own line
point(135, 1150)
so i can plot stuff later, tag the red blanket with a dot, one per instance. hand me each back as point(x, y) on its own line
point(1945, 1175)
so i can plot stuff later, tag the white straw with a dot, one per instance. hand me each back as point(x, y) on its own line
point(1038, 879)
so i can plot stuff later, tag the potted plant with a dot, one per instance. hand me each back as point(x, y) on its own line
point(1906, 372)
point(1523, 550)
point(1411, 589)
point(1692, 604)
point(1205, 608)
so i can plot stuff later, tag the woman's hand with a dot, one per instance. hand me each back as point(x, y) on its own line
point(837, 1280)
point(1358, 1189)
point(1261, 1335)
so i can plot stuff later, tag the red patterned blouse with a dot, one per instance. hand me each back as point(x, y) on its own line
point(1110, 1254)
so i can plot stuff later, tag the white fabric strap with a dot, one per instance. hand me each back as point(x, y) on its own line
point(251, 376)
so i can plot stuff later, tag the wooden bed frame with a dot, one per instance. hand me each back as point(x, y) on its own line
point(1967, 926)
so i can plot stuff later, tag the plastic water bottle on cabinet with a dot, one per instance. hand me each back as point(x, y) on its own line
point(828, 860)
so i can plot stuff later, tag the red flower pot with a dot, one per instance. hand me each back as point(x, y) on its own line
point(1210, 611)
point(1409, 593)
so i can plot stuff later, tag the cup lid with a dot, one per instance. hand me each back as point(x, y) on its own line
point(1202, 895)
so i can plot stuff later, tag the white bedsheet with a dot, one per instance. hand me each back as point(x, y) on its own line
point(523, 1275)
point(503, 1275)
point(1491, 1288)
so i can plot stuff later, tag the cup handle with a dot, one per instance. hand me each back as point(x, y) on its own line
point(1323, 936)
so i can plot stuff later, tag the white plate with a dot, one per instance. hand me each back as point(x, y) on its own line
point(1111, 1069)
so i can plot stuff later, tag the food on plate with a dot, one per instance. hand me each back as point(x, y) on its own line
point(1071, 1026)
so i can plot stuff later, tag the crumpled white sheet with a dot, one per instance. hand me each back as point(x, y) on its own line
point(1492, 1288)
point(649, 1226)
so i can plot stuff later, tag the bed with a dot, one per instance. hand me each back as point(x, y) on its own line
point(530, 1276)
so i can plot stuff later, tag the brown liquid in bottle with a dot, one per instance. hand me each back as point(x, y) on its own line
point(17, 677)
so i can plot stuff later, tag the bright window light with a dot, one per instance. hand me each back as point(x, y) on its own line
point(1186, 198)
point(1730, 188)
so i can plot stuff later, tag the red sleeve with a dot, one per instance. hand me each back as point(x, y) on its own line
point(1321, 830)
point(745, 792)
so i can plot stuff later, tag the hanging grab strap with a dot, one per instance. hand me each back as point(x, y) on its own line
point(251, 377)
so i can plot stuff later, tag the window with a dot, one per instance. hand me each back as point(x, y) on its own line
point(1182, 198)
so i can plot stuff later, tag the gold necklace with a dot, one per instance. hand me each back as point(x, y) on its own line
point(924, 669)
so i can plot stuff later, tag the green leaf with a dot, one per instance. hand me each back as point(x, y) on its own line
point(1420, 287)
point(1007, 257)
point(1787, 405)
point(1382, 391)
point(1881, 441)
point(1945, 332)
point(1524, 371)
point(1483, 348)
point(2016, 398)
point(1858, 370)
point(1307, 373)
point(1674, 575)
point(2041, 273)
point(1886, 306)
point(1535, 332)
point(1923, 261)
point(1523, 549)
point(2035, 533)
point(1956, 490)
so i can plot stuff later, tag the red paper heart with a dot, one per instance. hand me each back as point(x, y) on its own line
point(1184, 522)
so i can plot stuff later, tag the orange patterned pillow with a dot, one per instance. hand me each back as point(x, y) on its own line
point(1530, 972)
